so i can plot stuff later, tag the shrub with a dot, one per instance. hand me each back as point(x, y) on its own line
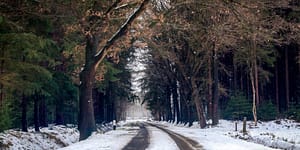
point(294, 112)
point(5, 116)
point(238, 107)
point(266, 111)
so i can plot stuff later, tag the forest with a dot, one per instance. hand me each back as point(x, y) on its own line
point(66, 61)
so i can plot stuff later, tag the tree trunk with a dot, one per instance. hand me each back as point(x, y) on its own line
point(256, 79)
point(175, 102)
point(86, 114)
point(36, 113)
point(1, 85)
point(1, 95)
point(215, 119)
point(287, 90)
point(253, 79)
point(210, 87)
point(198, 103)
point(59, 118)
point(24, 113)
point(253, 96)
point(234, 77)
point(86, 119)
point(276, 87)
point(42, 112)
point(168, 105)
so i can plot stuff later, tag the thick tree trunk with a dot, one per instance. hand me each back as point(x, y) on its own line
point(93, 58)
point(86, 119)
point(215, 119)
point(198, 103)
point(36, 113)
point(287, 86)
point(86, 114)
point(24, 113)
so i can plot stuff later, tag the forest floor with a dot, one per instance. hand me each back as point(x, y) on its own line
point(277, 134)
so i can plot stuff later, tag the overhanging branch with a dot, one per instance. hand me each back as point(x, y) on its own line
point(103, 51)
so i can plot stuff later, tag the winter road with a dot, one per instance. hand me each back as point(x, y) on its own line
point(142, 140)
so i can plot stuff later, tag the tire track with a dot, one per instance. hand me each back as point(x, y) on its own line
point(182, 142)
point(140, 141)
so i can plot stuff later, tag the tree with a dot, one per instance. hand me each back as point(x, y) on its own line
point(94, 55)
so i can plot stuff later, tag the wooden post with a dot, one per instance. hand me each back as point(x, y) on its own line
point(244, 125)
point(235, 125)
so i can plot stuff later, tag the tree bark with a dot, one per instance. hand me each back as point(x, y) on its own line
point(287, 86)
point(59, 119)
point(253, 96)
point(1, 72)
point(87, 77)
point(36, 113)
point(86, 114)
point(256, 78)
point(210, 87)
point(253, 79)
point(42, 112)
point(198, 103)
point(276, 87)
point(24, 113)
point(175, 102)
point(215, 119)
point(234, 77)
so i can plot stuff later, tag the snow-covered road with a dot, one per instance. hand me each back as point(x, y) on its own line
point(280, 134)
point(133, 136)
point(216, 138)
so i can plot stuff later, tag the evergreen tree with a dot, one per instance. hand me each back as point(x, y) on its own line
point(238, 107)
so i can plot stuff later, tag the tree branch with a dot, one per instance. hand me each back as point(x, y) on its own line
point(115, 4)
point(103, 51)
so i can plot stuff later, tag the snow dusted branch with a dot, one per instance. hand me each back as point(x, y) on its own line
point(103, 51)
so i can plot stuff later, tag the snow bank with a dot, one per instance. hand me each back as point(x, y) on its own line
point(111, 140)
point(48, 138)
point(281, 134)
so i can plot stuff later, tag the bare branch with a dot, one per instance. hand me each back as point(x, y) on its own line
point(103, 51)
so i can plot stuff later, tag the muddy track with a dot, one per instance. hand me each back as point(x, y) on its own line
point(182, 142)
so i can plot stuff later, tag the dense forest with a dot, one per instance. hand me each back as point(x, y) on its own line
point(65, 61)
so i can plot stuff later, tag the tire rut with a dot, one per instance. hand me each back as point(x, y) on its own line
point(140, 141)
point(182, 142)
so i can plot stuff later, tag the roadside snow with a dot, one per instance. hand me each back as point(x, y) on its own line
point(112, 140)
point(48, 138)
point(284, 134)
point(281, 134)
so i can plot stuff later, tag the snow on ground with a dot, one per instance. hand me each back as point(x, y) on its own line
point(112, 140)
point(48, 138)
point(284, 134)
point(281, 134)
point(160, 140)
